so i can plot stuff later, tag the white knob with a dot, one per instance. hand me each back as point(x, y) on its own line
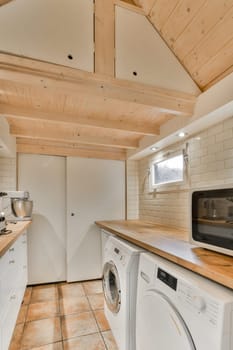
point(199, 303)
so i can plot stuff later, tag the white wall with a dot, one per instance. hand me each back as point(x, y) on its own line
point(7, 174)
point(210, 163)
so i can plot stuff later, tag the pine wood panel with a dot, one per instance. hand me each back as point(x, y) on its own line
point(211, 44)
point(208, 72)
point(179, 19)
point(199, 33)
point(161, 11)
point(203, 21)
point(145, 4)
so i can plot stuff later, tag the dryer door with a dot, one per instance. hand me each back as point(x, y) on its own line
point(160, 326)
point(111, 286)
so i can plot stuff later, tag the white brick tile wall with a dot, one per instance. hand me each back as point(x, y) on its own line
point(210, 163)
point(7, 174)
point(132, 190)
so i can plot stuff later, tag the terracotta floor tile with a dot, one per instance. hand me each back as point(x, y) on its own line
point(74, 305)
point(77, 325)
point(17, 336)
point(54, 346)
point(41, 332)
point(46, 309)
point(71, 290)
point(101, 320)
point(27, 295)
point(87, 342)
point(110, 341)
point(44, 293)
point(93, 287)
point(22, 314)
point(96, 301)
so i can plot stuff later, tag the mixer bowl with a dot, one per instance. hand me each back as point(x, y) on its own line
point(22, 208)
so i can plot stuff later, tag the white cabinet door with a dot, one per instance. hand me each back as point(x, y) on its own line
point(13, 280)
point(44, 178)
point(95, 191)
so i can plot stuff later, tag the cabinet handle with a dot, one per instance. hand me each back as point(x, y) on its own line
point(72, 214)
point(11, 249)
point(11, 261)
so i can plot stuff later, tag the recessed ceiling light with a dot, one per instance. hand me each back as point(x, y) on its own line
point(182, 134)
point(154, 148)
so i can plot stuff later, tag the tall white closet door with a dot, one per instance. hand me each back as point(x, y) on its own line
point(44, 177)
point(95, 191)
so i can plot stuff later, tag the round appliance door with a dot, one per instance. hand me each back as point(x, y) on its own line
point(160, 326)
point(111, 287)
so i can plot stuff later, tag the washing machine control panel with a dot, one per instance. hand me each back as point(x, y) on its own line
point(167, 278)
point(120, 255)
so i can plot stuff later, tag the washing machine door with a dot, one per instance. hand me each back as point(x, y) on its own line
point(160, 326)
point(111, 287)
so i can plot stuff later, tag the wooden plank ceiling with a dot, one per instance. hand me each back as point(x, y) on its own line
point(53, 109)
point(63, 111)
point(200, 33)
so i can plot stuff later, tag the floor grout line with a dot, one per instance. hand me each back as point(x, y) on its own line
point(57, 298)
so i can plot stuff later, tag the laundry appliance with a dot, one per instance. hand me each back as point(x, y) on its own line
point(180, 310)
point(120, 289)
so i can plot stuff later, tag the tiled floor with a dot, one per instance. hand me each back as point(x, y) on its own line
point(63, 317)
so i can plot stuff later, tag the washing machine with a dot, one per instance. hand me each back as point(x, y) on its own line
point(104, 238)
point(120, 290)
point(180, 310)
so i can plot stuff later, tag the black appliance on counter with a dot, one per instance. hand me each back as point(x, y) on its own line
point(212, 219)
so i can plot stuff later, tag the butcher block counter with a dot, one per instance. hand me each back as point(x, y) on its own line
point(173, 245)
point(7, 240)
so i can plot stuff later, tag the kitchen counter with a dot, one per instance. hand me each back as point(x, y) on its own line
point(7, 240)
point(173, 245)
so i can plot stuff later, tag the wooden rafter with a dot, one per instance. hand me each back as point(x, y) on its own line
point(74, 118)
point(56, 78)
point(3, 2)
point(66, 133)
point(67, 149)
point(104, 37)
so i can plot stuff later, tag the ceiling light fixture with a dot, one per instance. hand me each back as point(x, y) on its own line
point(154, 148)
point(182, 134)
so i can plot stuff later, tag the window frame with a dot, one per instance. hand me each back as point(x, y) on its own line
point(170, 183)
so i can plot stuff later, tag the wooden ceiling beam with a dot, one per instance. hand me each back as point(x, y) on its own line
point(121, 125)
point(68, 134)
point(105, 37)
point(67, 149)
point(3, 2)
point(56, 78)
point(129, 5)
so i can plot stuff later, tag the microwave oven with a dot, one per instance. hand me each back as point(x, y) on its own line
point(212, 219)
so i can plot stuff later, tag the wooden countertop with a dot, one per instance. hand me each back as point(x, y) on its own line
point(7, 240)
point(173, 245)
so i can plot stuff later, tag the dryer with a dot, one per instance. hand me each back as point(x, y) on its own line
point(120, 290)
point(180, 310)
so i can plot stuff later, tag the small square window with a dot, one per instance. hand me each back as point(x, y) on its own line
point(168, 171)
